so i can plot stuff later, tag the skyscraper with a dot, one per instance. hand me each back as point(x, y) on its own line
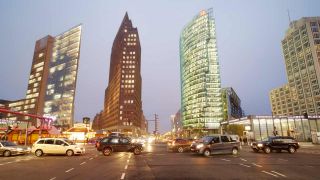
point(122, 105)
point(62, 77)
point(201, 104)
point(301, 50)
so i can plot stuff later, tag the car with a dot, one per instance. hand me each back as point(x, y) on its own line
point(56, 146)
point(111, 144)
point(179, 145)
point(276, 143)
point(8, 148)
point(215, 144)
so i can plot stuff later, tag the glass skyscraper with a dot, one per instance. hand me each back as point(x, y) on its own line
point(201, 103)
point(61, 83)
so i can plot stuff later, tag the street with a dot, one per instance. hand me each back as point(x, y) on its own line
point(156, 163)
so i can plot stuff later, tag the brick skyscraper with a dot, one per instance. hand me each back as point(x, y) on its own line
point(122, 105)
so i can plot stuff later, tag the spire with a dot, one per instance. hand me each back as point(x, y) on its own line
point(126, 17)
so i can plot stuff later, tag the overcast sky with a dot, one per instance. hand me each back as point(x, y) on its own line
point(249, 34)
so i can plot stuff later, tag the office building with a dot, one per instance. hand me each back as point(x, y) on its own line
point(301, 50)
point(231, 104)
point(122, 105)
point(62, 78)
point(201, 104)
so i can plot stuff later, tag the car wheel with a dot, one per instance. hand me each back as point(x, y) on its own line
point(180, 149)
point(69, 153)
point(38, 153)
point(136, 151)
point(267, 150)
point(255, 150)
point(292, 149)
point(235, 151)
point(107, 152)
point(7, 154)
point(206, 152)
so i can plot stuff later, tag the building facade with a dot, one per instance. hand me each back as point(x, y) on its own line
point(176, 123)
point(231, 104)
point(62, 77)
point(52, 81)
point(261, 127)
point(122, 105)
point(301, 50)
point(201, 104)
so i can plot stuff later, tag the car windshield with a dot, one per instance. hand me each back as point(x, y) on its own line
point(7, 143)
point(69, 142)
point(206, 139)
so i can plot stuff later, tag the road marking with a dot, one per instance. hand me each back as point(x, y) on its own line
point(9, 162)
point(269, 173)
point(1, 164)
point(245, 165)
point(52, 178)
point(283, 159)
point(90, 159)
point(128, 161)
point(123, 175)
point(279, 173)
point(69, 170)
point(82, 163)
point(17, 160)
point(126, 167)
point(257, 165)
point(225, 160)
point(243, 159)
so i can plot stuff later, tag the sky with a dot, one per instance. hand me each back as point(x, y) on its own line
point(249, 35)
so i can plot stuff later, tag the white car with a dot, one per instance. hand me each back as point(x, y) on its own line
point(56, 146)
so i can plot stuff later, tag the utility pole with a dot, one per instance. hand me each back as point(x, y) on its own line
point(156, 123)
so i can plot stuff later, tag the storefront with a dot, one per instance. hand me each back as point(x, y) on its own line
point(263, 126)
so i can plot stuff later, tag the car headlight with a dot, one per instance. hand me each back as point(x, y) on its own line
point(260, 145)
point(28, 148)
point(199, 146)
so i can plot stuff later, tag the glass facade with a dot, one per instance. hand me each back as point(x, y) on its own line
point(61, 83)
point(201, 103)
point(265, 126)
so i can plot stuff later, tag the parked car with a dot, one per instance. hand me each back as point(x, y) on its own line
point(215, 144)
point(118, 144)
point(277, 143)
point(8, 148)
point(56, 146)
point(179, 145)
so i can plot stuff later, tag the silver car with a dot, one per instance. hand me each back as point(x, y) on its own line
point(8, 148)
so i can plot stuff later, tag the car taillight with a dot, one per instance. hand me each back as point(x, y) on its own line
point(98, 144)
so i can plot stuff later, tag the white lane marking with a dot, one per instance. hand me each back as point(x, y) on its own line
point(126, 167)
point(82, 163)
point(243, 159)
point(269, 173)
point(279, 173)
point(245, 165)
point(283, 159)
point(225, 160)
point(69, 170)
point(123, 175)
point(128, 161)
point(52, 178)
point(9, 162)
point(257, 165)
point(90, 159)
point(1, 164)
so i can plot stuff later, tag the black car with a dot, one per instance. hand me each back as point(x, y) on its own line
point(118, 144)
point(277, 143)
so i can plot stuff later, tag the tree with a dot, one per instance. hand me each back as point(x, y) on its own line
point(235, 129)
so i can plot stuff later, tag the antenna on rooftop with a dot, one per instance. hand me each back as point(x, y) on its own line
point(289, 17)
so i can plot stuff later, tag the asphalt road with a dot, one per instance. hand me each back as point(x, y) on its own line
point(157, 163)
